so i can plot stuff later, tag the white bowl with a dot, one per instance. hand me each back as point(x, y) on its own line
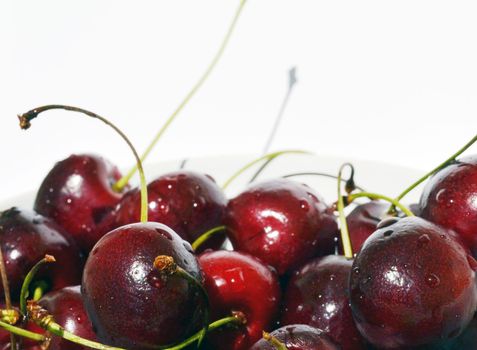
point(373, 176)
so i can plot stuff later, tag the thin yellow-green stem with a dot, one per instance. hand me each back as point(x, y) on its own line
point(22, 332)
point(125, 179)
point(345, 239)
point(205, 236)
point(258, 160)
point(436, 169)
point(370, 195)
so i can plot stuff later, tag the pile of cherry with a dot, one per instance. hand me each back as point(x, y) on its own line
point(131, 285)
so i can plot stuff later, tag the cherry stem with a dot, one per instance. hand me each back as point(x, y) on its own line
point(345, 239)
point(205, 236)
point(291, 83)
point(43, 319)
point(22, 332)
point(370, 195)
point(125, 179)
point(252, 163)
point(39, 290)
point(27, 281)
point(10, 316)
point(277, 344)
point(321, 174)
point(26, 118)
point(6, 292)
point(433, 171)
point(237, 319)
point(167, 267)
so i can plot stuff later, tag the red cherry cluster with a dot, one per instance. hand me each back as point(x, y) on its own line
point(410, 283)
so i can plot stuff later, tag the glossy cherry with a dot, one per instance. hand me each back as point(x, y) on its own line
point(298, 337)
point(239, 282)
point(66, 307)
point(450, 199)
point(283, 223)
point(362, 221)
point(317, 295)
point(188, 202)
point(127, 299)
point(412, 284)
point(25, 238)
point(77, 193)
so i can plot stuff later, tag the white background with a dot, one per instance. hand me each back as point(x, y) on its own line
point(392, 81)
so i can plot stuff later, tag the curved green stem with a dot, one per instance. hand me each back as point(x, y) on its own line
point(436, 169)
point(29, 277)
point(252, 163)
point(25, 123)
point(205, 236)
point(212, 326)
point(370, 195)
point(125, 179)
point(345, 239)
point(314, 173)
point(22, 332)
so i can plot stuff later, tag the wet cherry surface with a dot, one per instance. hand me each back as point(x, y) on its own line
point(450, 199)
point(129, 303)
point(298, 337)
point(317, 295)
point(77, 193)
point(283, 223)
point(239, 282)
point(412, 284)
point(25, 238)
point(188, 202)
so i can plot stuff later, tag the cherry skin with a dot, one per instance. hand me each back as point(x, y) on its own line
point(298, 337)
point(281, 222)
point(239, 282)
point(450, 199)
point(412, 284)
point(317, 295)
point(77, 193)
point(127, 299)
point(362, 221)
point(188, 202)
point(25, 238)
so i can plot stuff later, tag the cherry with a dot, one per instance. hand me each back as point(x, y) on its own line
point(188, 202)
point(412, 284)
point(127, 300)
point(297, 337)
point(77, 193)
point(283, 223)
point(362, 221)
point(25, 238)
point(66, 307)
point(450, 199)
point(317, 295)
point(239, 282)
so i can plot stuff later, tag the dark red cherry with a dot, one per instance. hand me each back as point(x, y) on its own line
point(239, 282)
point(188, 202)
point(298, 337)
point(412, 284)
point(127, 299)
point(77, 193)
point(66, 307)
point(25, 238)
point(317, 295)
point(450, 199)
point(283, 223)
point(362, 221)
